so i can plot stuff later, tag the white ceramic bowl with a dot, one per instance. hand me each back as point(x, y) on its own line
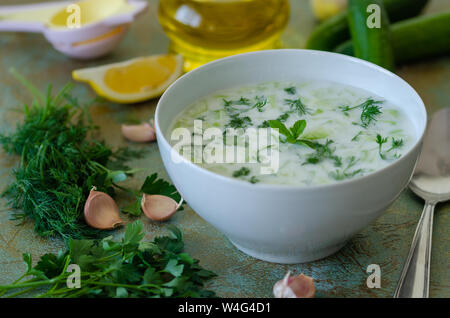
point(279, 223)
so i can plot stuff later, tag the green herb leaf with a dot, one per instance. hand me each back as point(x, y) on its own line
point(153, 185)
point(380, 141)
point(173, 268)
point(298, 106)
point(370, 110)
point(134, 208)
point(276, 124)
point(291, 90)
point(60, 163)
point(241, 172)
point(116, 270)
point(298, 128)
point(324, 152)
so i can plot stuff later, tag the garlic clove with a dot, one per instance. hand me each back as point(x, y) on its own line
point(101, 211)
point(300, 286)
point(159, 207)
point(139, 133)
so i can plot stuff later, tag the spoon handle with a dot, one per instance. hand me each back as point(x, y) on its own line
point(415, 279)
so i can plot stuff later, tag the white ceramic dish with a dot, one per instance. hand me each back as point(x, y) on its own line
point(287, 224)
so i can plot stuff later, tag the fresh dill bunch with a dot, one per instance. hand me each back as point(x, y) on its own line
point(60, 163)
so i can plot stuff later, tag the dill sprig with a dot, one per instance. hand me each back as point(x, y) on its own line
point(370, 110)
point(345, 173)
point(298, 106)
point(323, 152)
point(291, 90)
point(60, 162)
point(396, 144)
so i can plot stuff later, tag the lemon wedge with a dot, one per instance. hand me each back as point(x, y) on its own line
point(134, 80)
point(324, 9)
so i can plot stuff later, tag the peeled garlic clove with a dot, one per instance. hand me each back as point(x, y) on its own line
point(101, 211)
point(159, 207)
point(300, 286)
point(139, 133)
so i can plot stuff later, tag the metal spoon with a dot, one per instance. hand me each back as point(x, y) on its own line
point(431, 182)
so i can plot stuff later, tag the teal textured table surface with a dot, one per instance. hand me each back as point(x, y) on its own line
point(385, 242)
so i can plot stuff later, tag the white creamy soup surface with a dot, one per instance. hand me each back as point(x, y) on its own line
point(349, 132)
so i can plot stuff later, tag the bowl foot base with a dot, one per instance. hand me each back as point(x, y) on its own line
point(290, 258)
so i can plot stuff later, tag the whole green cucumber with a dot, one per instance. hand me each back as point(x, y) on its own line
point(415, 39)
point(370, 30)
point(334, 31)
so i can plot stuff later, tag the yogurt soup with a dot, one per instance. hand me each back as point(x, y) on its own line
point(327, 132)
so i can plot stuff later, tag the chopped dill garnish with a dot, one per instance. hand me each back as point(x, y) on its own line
point(381, 141)
point(243, 172)
point(254, 180)
point(241, 101)
point(291, 90)
point(239, 122)
point(370, 110)
point(323, 152)
point(297, 105)
point(284, 117)
point(346, 173)
point(261, 101)
point(356, 138)
point(264, 124)
point(395, 144)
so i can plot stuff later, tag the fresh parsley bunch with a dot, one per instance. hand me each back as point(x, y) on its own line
point(128, 268)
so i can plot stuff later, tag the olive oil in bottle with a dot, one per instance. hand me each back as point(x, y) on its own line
point(205, 30)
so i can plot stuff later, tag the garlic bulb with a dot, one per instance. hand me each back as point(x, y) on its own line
point(300, 286)
point(101, 211)
point(159, 207)
point(139, 133)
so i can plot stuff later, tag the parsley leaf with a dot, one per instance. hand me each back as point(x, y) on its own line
point(153, 185)
point(127, 268)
